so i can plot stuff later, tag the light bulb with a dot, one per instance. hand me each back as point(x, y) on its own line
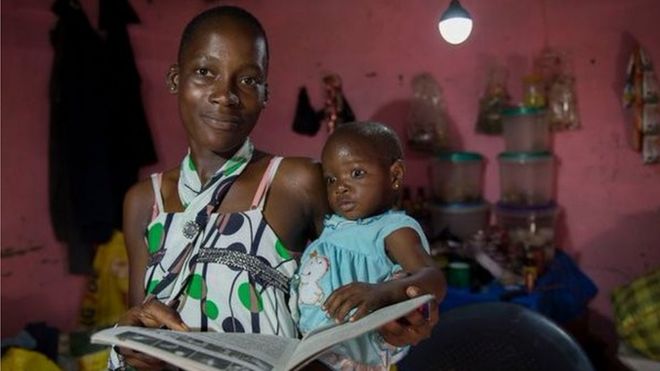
point(455, 24)
point(455, 30)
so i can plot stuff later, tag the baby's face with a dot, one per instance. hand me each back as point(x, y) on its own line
point(358, 183)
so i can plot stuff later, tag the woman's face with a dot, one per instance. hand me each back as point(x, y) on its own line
point(221, 84)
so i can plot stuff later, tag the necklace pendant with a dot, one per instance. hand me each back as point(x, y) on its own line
point(190, 229)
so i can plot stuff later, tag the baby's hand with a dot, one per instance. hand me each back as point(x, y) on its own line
point(365, 297)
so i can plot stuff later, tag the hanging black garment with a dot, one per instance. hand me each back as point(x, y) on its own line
point(132, 146)
point(99, 137)
point(306, 120)
point(346, 114)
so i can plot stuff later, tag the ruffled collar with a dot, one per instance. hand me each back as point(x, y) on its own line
point(334, 221)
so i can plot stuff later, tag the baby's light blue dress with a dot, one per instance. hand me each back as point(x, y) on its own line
point(349, 251)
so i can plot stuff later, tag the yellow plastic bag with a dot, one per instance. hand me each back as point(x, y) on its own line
point(106, 298)
point(18, 359)
point(637, 314)
point(97, 361)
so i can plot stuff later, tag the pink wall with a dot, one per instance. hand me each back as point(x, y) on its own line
point(611, 201)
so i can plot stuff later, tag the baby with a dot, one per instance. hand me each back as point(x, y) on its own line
point(345, 273)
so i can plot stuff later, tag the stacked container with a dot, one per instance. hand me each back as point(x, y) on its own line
point(458, 206)
point(527, 210)
point(526, 178)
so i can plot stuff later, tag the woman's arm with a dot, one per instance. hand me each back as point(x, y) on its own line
point(412, 328)
point(138, 204)
point(137, 212)
point(297, 202)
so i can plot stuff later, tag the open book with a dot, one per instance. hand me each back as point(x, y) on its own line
point(234, 351)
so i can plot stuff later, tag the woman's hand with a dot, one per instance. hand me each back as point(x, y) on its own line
point(154, 314)
point(412, 328)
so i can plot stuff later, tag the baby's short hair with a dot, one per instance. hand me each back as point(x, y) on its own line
point(379, 136)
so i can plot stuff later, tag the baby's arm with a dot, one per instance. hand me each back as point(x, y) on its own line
point(405, 248)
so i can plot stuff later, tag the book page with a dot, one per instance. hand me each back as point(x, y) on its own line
point(204, 350)
point(317, 341)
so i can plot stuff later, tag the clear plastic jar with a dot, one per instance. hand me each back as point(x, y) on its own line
point(562, 105)
point(525, 130)
point(526, 178)
point(528, 229)
point(457, 177)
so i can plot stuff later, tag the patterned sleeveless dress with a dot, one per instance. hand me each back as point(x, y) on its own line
point(221, 272)
point(234, 279)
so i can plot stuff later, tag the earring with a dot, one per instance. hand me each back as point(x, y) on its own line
point(396, 186)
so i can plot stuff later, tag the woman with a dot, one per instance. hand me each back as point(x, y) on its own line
point(223, 228)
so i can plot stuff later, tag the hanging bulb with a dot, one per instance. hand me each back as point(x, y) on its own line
point(455, 23)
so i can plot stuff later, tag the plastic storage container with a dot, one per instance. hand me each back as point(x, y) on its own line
point(526, 178)
point(461, 220)
point(457, 177)
point(530, 228)
point(525, 129)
